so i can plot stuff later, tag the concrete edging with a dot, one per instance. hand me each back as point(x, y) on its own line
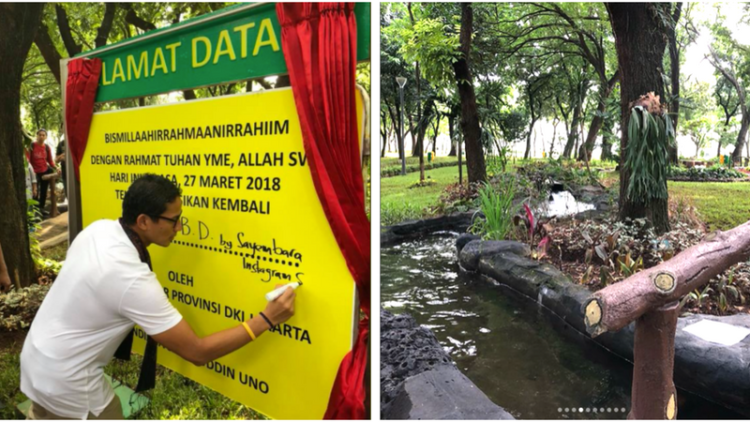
point(716, 372)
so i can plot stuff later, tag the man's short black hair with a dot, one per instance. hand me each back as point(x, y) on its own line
point(148, 195)
point(41, 130)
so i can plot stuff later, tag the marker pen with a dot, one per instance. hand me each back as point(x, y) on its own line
point(272, 295)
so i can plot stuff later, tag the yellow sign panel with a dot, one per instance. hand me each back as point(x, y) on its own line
point(252, 219)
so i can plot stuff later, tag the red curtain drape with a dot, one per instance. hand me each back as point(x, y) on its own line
point(80, 95)
point(319, 41)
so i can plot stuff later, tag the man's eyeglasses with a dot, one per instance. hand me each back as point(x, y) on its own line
point(174, 221)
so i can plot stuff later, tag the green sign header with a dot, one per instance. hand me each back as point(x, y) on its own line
point(236, 43)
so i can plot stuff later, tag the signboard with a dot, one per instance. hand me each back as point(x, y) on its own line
point(236, 43)
point(251, 219)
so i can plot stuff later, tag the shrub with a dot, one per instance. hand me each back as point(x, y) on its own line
point(410, 168)
point(18, 307)
point(498, 210)
point(712, 173)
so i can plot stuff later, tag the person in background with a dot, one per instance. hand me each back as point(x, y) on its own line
point(41, 159)
point(31, 182)
point(60, 153)
point(31, 192)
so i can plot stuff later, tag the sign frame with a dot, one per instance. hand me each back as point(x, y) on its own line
point(75, 223)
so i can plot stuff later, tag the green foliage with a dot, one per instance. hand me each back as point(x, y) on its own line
point(728, 292)
point(647, 155)
point(513, 124)
point(568, 172)
point(498, 210)
point(33, 217)
point(716, 172)
point(697, 296)
point(395, 170)
point(497, 164)
point(363, 76)
point(397, 212)
point(18, 307)
point(455, 198)
point(434, 45)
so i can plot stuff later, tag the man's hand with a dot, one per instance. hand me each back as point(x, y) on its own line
point(281, 309)
point(4, 281)
point(34, 192)
point(182, 340)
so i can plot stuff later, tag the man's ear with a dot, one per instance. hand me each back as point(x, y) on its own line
point(142, 221)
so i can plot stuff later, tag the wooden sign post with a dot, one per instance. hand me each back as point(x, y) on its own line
point(651, 299)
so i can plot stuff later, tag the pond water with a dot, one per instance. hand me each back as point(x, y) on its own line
point(561, 204)
point(523, 357)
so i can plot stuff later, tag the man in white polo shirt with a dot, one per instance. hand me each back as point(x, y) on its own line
point(104, 288)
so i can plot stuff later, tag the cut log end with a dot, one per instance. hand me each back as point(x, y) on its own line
point(665, 282)
point(671, 408)
point(593, 315)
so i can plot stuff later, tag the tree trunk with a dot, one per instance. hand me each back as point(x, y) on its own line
point(413, 138)
point(460, 163)
point(606, 145)
point(527, 153)
point(674, 72)
point(396, 119)
point(573, 133)
point(598, 120)
point(554, 135)
point(737, 153)
point(420, 146)
point(65, 33)
point(730, 76)
point(469, 117)
point(49, 52)
point(640, 43)
point(452, 152)
point(283, 81)
point(132, 18)
point(103, 33)
point(435, 134)
point(421, 121)
point(384, 135)
point(18, 25)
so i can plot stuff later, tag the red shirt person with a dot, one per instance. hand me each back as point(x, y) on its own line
point(43, 162)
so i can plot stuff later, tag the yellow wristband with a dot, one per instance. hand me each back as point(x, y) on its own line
point(249, 331)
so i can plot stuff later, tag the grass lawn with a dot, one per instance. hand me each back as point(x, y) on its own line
point(721, 205)
point(10, 373)
point(398, 202)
